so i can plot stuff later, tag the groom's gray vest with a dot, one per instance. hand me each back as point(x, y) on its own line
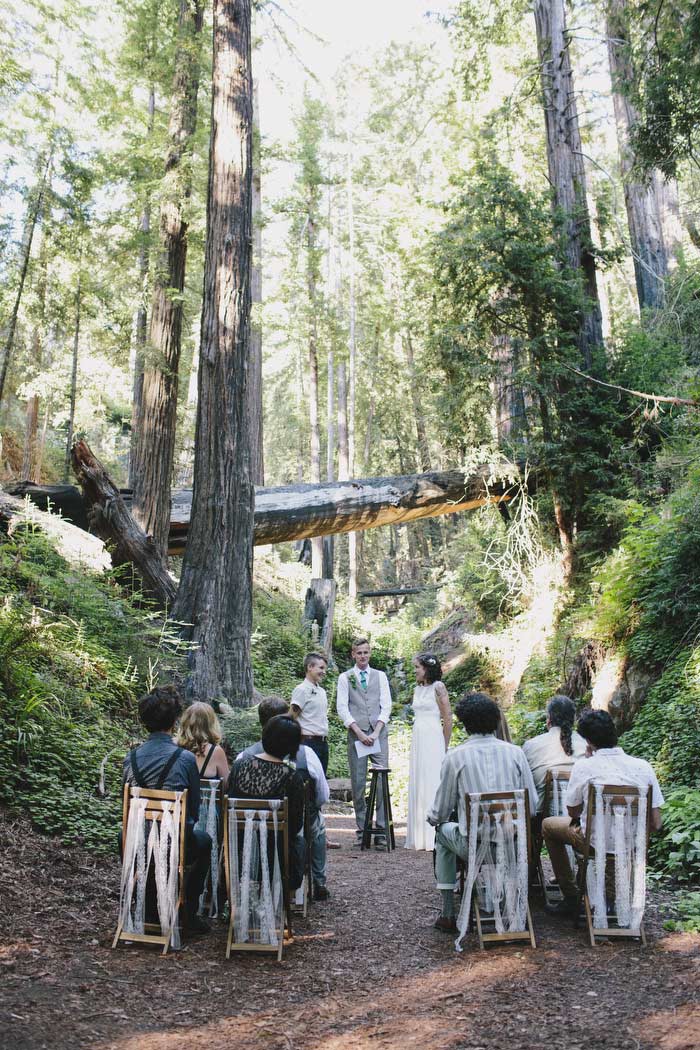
point(364, 704)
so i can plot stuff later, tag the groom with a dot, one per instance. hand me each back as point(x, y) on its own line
point(363, 700)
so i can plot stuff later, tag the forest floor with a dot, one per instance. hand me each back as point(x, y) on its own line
point(366, 970)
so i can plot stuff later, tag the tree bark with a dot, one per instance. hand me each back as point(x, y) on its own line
point(255, 379)
point(328, 544)
point(155, 444)
point(30, 458)
point(293, 512)
point(141, 320)
point(215, 593)
point(641, 198)
point(33, 213)
point(110, 518)
point(352, 404)
point(74, 370)
point(319, 607)
point(314, 424)
point(566, 165)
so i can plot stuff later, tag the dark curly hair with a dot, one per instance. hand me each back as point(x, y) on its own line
point(478, 713)
point(160, 709)
point(561, 712)
point(432, 667)
point(598, 728)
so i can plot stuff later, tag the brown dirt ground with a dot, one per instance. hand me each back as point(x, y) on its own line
point(366, 971)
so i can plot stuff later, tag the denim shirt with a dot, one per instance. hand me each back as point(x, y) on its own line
point(152, 755)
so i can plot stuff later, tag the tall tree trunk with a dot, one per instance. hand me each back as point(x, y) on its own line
point(641, 198)
point(255, 380)
point(343, 451)
point(155, 444)
point(141, 319)
point(419, 418)
point(314, 424)
point(33, 212)
point(352, 404)
point(30, 456)
point(328, 543)
point(216, 587)
point(74, 372)
point(565, 161)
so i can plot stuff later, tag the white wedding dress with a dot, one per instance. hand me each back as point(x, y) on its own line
point(427, 753)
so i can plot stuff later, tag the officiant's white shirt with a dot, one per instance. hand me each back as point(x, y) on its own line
point(342, 700)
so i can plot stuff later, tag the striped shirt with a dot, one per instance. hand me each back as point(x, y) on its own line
point(483, 763)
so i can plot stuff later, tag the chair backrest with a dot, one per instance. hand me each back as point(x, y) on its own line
point(627, 795)
point(555, 784)
point(237, 808)
point(154, 809)
point(503, 802)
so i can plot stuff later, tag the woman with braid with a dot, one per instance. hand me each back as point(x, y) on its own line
point(558, 748)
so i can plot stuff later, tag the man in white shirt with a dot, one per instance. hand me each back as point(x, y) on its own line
point(606, 764)
point(363, 701)
point(482, 763)
point(310, 707)
point(308, 764)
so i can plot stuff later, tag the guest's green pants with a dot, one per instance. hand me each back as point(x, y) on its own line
point(450, 843)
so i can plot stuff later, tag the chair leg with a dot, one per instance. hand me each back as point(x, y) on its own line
point(530, 928)
point(477, 917)
point(389, 816)
point(589, 920)
point(369, 815)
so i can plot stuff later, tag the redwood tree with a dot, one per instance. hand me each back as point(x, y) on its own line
point(155, 442)
point(215, 593)
point(565, 160)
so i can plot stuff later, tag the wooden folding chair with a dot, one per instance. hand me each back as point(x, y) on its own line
point(555, 785)
point(213, 786)
point(154, 811)
point(235, 810)
point(614, 795)
point(501, 802)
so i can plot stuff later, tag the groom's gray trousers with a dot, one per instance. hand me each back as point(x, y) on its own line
point(358, 777)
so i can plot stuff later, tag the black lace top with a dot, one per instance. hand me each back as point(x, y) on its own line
point(254, 777)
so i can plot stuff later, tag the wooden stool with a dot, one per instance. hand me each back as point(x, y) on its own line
point(379, 781)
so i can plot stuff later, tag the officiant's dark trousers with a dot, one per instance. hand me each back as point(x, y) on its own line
point(358, 778)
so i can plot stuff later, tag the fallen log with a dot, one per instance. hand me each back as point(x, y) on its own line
point(390, 592)
point(294, 512)
point(78, 547)
point(110, 518)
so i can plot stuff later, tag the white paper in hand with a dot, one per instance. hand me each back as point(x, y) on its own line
point(367, 749)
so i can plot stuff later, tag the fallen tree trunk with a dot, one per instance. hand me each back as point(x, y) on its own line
point(110, 518)
point(73, 543)
point(294, 512)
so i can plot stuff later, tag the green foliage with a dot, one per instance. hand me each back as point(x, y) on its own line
point(676, 851)
point(650, 601)
point(476, 672)
point(687, 914)
point(666, 48)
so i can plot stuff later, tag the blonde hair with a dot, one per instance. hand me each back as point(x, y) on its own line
point(199, 726)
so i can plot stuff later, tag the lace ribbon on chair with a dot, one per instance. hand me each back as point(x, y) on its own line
point(257, 893)
point(497, 865)
point(618, 832)
point(162, 849)
point(208, 821)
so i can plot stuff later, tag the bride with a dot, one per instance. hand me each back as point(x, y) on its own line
point(431, 737)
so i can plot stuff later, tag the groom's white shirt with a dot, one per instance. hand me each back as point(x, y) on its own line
point(342, 699)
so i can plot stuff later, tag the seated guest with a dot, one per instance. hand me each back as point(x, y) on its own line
point(200, 733)
point(558, 748)
point(160, 764)
point(608, 764)
point(482, 763)
point(271, 774)
point(309, 765)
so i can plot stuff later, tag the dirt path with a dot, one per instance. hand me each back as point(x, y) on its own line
point(366, 972)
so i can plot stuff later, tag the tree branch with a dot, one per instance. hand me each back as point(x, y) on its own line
point(666, 399)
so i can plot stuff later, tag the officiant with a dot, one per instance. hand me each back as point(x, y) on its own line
point(363, 702)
